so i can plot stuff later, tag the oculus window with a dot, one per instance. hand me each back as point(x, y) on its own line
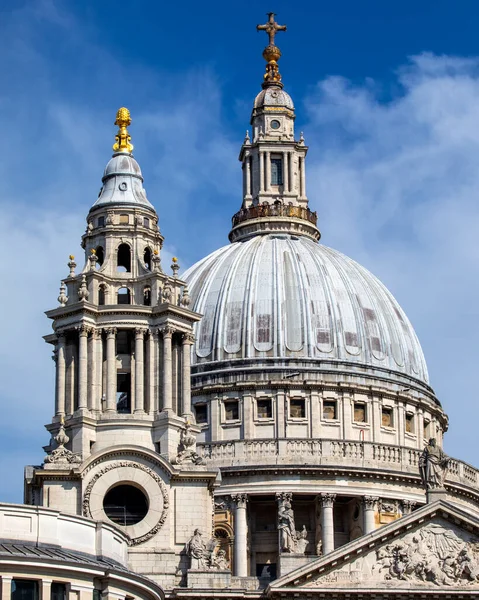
point(125, 505)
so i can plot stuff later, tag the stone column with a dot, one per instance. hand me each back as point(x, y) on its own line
point(369, 508)
point(60, 375)
point(268, 171)
point(261, 171)
point(327, 522)
point(241, 534)
point(286, 171)
point(303, 177)
point(248, 176)
point(139, 371)
point(167, 369)
point(83, 367)
point(186, 340)
point(420, 428)
point(291, 172)
point(91, 369)
point(111, 369)
point(97, 386)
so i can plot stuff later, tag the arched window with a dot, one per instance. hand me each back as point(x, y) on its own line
point(147, 296)
point(100, 256)
point(124, 258)
point(147, 258)
point(101, 294)
point(124, 296)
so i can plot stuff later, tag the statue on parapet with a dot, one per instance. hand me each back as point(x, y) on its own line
point(433, 466)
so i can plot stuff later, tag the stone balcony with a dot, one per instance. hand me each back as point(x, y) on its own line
point(353, 455)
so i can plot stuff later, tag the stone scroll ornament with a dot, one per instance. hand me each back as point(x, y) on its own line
point(433, 555)
point(433, 466)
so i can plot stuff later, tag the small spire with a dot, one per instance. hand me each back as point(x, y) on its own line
point(271, 53)
point(123, 139)
point(247, 139)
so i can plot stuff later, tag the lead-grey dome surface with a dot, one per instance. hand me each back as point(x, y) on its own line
point(282, 296)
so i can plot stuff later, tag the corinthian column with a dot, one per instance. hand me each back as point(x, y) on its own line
point(286, 171)
point(241, 531)
point(167, 369)
point(261, 171)
point(83, 367)
point(327, 522)
point(111, 369)
point(268, 171)
point(139, 371)
point(369, 507)
point(186, 340)
point(60, 375)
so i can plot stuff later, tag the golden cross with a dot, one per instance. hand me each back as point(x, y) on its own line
point(271, 27)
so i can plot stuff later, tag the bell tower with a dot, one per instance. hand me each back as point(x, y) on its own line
point(122, 330)
point(274, 167)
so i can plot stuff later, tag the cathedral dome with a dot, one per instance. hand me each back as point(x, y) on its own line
point(288, 297)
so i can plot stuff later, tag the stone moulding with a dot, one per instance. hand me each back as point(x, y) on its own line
point(125, 463)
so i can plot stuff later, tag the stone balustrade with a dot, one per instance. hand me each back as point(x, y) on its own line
point(350, 454)
point(274, 210)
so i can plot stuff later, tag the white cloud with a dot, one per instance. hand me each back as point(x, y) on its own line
point(396, 184)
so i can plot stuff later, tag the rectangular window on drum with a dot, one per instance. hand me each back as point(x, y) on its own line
point(232, 411)
point(24, 589)
point(276, 171)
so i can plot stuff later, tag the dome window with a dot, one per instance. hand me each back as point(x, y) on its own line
point(276, 170)
point(23, 589)
point(297, 408)
point(330, 410)
point(231, 410)
point(360, 412)
point(58, 591)
point(101, 222)
point(275, 124)
point(264, 408)
point(124, 296)
point(387, 417)
point(147, 258)
point(409, 422)
point(201, 414)
point(124, 259)
point(146, 222)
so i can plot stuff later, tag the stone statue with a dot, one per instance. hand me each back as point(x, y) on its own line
point(301, 541)
point(196, 550)
point(433, 465)
point(219, 561)
point(286, 527)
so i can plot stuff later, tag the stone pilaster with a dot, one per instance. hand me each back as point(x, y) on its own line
point(167, 333)
point(60, 376)
point(83, 367)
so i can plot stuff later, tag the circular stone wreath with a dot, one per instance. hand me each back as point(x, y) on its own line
point(146, 528)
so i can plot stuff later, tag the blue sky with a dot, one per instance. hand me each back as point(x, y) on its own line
point(387, 95)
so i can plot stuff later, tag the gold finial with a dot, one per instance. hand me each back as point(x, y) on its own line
point(271, 53)
point(174, 259)
point(123, 139)
point(93, 251)
point(71, 257)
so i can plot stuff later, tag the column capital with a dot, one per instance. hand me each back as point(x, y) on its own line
point(84, 330)
point(327, 500)
point(61, 336)
point(166, 330)
point(110, 331)
point(240, 500)
point(96, 334)
point(187, 339)
point(370, 502)
point(140, 331)
point(282, 497)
